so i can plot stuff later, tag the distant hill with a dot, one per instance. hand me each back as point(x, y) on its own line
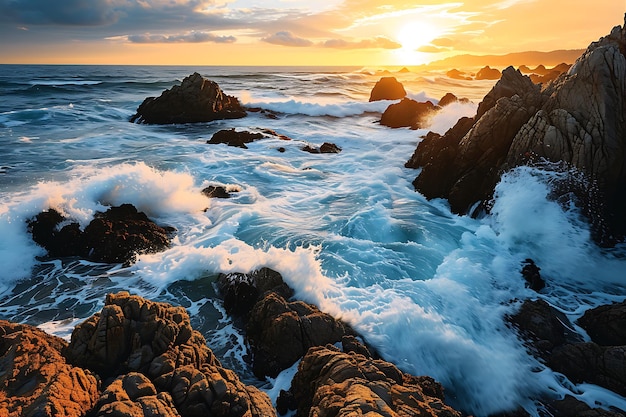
point(530, 58)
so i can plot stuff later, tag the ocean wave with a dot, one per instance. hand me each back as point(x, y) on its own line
point(309, 108)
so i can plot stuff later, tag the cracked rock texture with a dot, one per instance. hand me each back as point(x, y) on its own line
point(577, 120)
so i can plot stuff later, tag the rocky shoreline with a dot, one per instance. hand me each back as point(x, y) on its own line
point(138, 357)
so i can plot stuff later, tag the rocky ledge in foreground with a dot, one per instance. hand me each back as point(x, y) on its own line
point(115, 236)
point(578, 120)
point(142, 358)
point(197, 99)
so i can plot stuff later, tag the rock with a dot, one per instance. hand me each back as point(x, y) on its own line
point(488, 73)
point(216, 191)
point(542, 326)
point(449, 98)
point(280, 332)
point(591, 363)
point(233, 138)
point(36, 380)
point(326, 147)
point(577, 121)
point(242, 291)
point(132, 334)
point(458, 75)
point(583, 124)
point(197, 99)
point(333, 383)
point(134, 395)
point(571, 407)
point(116, 236)
point(530, 272)
point(408, 113)
point(606, 325)
point(387, 88)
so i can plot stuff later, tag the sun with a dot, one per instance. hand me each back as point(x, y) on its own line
point(413, 35)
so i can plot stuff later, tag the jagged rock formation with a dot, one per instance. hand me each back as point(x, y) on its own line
point(115, 236)
point(387, 88)
point(579, 119)
point(334, 383)
point(133, 335)
point(36, 380)
point(197, 99)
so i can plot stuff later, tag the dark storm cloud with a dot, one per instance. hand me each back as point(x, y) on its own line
point(66, 12)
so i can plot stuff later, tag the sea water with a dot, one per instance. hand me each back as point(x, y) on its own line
point(428, 289)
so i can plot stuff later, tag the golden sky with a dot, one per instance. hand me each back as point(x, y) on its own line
point(293, 32)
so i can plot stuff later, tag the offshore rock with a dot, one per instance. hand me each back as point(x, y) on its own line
point(36, 380)
point(132, 334)
point(408, 113)
point(578, 120)
point(387, 88)
point(116, 236)
point(334, 383)
point(326, 147)
point(197, 99)
point(280, 332)
point(233, 138)
point(488, 73)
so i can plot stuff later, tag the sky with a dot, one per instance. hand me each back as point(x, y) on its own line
point(293, 32)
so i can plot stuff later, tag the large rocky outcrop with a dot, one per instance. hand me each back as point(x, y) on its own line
point(197, 99)
point(579, 119)
point(115, 236)
point(36, 380)
point(334, 383)
point(133, 335)
point(408, 113)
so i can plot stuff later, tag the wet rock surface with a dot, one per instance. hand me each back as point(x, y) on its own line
point(387, 88)
point(577, 120)
point(115, 236)
point(197, 99)
point(231, 137)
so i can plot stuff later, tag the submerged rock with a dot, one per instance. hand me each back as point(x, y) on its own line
point(326, 147)
point(579, 120)
point(115, 236)
point(387, 88)
point(197, 99)
point(35, 378)
point(233, 138)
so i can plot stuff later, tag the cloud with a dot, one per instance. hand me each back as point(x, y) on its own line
point(444, 42)
point(379, 42)
point(66, 12)
point(286, 38)
point(192, 37)
point(432, 49)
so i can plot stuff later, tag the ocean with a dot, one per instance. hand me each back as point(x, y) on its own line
point(428, 289)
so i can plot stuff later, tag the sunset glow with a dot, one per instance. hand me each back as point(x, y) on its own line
point(292, 32)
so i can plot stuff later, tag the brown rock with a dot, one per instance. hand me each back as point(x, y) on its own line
point(133, 395)
point(197, 99)
point(132, 334)
point(280, 332)
point(326, 147)
point(408, 113)
point(334, 383)
point(387, 88)
point(571, 407)
point(36, 380)
point(458, 75)
point(488, 73)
